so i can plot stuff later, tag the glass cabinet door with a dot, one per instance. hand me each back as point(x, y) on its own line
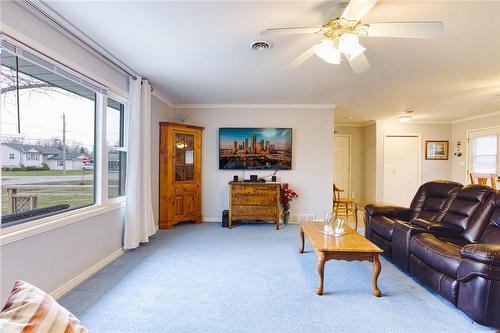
point(184, 157)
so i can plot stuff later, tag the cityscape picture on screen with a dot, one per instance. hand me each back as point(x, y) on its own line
point(255, 148)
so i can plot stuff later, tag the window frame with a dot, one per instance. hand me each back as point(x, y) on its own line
point(472, 134)
point(101, 202)
point(124, 120)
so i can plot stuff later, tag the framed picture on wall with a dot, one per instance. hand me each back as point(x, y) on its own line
point(436, 150)
point(255, 148)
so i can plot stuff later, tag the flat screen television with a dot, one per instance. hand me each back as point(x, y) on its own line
point(255, 148)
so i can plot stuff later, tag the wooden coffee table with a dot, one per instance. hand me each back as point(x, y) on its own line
point(351, 246)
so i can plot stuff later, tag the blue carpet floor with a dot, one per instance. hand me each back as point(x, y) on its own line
point(203, 278)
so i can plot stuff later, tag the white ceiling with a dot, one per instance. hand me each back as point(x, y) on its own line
point(198, 53)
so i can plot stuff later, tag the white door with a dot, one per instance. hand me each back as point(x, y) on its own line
point(401, 176)
point(341, 174)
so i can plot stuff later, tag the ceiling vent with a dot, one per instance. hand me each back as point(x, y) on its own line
point(261, 45)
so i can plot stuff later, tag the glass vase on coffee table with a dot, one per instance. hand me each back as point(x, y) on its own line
point(333, 227)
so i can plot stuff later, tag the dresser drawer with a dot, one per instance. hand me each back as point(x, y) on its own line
point(258, 190)
point(256, 200)
point(254, 212)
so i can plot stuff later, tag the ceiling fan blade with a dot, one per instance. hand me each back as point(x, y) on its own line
point(290, 31)
point(359, 64)
point(405, 29)
point(300, 59)
point(336, 11)
point(357, 9)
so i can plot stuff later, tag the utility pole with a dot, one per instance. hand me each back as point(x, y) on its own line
point(64, 143)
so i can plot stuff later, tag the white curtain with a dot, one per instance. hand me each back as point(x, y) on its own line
point(139, 221)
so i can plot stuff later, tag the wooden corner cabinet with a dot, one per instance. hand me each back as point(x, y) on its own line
point(180, 174)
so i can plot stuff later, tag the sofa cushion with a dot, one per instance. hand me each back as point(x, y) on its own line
point(465, 205)
point(28, 309)
point(443, 257)
point(383, 226)
point(433, 199)
point(440, 228)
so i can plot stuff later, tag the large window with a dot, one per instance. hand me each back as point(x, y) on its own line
point(484, 151)
point(49, 121)
point(117, 153)
point(484, 154)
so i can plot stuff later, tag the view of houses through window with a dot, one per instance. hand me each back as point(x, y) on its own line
point(117, 154)
point(48, 141)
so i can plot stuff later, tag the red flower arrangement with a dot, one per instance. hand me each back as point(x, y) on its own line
point(287, 195)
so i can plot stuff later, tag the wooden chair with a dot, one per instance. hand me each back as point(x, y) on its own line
point(342, 206)
point(482, 179)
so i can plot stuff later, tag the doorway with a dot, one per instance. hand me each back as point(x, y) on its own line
point(342, 168)
point(401, 169)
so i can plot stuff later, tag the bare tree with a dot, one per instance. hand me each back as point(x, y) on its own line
point(27, 83)
point(9, 78)
point(15, 139)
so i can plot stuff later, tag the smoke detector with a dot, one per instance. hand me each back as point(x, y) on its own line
point(261, 45)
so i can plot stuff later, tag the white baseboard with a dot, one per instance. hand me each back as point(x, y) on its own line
point(65, 288)
point(211, 219)
point(294, 218)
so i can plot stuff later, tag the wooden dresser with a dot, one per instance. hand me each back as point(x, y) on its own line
point(254, 202)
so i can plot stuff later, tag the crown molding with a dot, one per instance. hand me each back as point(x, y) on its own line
point(164, 99)
point(365, 124)
point(478, 116)
point(414, 122)
point(175, 106)
point(255, 106)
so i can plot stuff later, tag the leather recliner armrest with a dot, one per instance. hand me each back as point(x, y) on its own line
point(389, 211)
point(479, 260)
point(439, 228)
point(486, 253)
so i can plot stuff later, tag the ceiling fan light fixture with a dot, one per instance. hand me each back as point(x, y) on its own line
point(326, 51)
point(349, 45)
point(356, 52)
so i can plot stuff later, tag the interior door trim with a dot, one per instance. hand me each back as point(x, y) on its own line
point(349, 192)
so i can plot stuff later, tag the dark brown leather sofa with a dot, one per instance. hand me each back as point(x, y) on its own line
point(457, 253)
point(431, 203)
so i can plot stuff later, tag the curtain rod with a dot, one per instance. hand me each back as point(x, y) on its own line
point(127, 71)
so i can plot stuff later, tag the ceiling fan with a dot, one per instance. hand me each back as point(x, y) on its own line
point(341, 35)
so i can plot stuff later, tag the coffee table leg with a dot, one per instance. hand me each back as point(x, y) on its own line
point(301, 250)
point(377, 267)
point(321, 272)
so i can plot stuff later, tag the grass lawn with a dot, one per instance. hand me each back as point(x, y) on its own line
point(46, 173)
point(75, 197)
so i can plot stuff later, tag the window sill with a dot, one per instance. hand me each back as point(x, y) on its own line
point(30, 229)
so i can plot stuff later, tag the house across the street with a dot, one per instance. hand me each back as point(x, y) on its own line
point(16, 155)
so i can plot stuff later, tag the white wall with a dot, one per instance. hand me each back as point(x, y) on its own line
point(6, 161)
point(70, 165)
point(51, 259)
point(369, 159)
point(459, 133)
point(159, 112)
point(430, 169)
point(19, 23)
point(312, 163)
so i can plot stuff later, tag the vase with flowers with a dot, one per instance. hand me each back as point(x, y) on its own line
point(287, 195)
